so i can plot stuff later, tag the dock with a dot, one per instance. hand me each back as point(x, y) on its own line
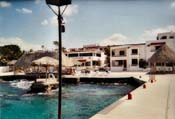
point(155, 101)
point(132, 78)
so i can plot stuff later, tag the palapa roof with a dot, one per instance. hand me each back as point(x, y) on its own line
point(26, 59)
point(46, 61)
point(163, 55)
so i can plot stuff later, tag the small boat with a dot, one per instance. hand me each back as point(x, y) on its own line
point(44, 84)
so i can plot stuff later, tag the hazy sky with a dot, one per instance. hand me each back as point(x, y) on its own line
point(30, 23)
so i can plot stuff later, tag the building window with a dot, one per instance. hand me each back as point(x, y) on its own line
point(134, 62)
point(120, 62)
point(113, 53)
point(157, 47)
point(158, 64)
point(122, 53)
point(164, 37)
point(134, 51)
point(157, 38)
point(98, 55)
point(116, 63)
point(88, 64)
point(171, 37)
point(96, 63)
point(86, 54)
point(73, 55)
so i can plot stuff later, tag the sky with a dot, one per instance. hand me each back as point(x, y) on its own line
point(31, 24)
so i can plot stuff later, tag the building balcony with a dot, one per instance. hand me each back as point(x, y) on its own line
point(118, 55)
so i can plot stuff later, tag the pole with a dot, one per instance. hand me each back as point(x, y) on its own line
point(60, 65)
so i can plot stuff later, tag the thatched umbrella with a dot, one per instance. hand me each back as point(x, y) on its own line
point(46, 61)
point(163, 55)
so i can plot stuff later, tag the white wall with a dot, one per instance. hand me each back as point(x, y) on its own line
point(4, 69)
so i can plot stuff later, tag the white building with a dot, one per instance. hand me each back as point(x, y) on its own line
point(167, 38)
point(91, 56)
point(127, 57)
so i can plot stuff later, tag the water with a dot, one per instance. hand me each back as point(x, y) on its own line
point(79, 101)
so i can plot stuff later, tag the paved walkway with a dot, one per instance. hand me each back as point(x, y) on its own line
point(157, 101)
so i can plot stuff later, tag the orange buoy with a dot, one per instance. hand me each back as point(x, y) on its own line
point(129, 96)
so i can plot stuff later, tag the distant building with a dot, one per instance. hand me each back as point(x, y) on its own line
point(91, 56)
point(127, 57)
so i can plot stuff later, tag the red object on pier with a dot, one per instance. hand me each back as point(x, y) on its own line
point(151, 81)
point(129, 96)
point(144, 86)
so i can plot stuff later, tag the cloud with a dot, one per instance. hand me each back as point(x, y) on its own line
point(71, 10)
point(24, 11)
point(119, 39)
point(37, 1)
point(44, 23)
point(4, 4)
point(173, 4)
point(20, 42)
point(115, 39)
point(152, 34)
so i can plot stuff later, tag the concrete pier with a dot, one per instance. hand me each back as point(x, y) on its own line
point(156, 101)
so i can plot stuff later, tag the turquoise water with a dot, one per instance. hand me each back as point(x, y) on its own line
point(79, 101)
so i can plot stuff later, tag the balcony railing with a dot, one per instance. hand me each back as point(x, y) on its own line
point(118, 55)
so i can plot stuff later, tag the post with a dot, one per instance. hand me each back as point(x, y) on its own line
point(60, 64)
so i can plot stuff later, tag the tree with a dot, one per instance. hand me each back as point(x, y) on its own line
point(56, 43)
point(10, 52)
point(143, 63)
point(107, 53)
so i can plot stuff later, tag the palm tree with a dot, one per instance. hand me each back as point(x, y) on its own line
point(56, 43)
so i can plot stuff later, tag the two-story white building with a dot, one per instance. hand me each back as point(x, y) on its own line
point(127, 57)
point(91, 56)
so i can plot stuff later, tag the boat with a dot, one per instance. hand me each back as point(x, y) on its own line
point(44, 84)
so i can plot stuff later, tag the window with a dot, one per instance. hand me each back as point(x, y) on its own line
point(122, 53)
point(98, 55)
point(96, 63)
point(134, 62)
point(157, 38)
point(120, 62)
point(88, 64)
point(164, 37)
point(117, 62)
point(171, 37)
point(113, 53)
point(134, 51)
point(73, 55)
point(157, 47)
point(158, 64)
point(86, 54)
